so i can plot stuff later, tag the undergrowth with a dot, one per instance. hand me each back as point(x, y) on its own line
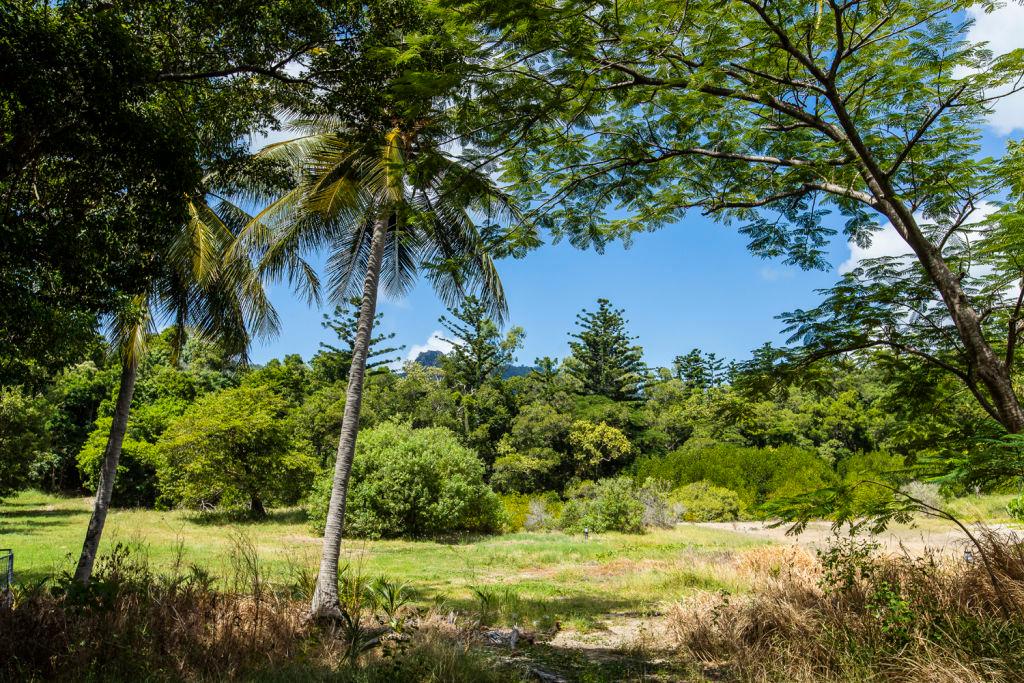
point(854, 614)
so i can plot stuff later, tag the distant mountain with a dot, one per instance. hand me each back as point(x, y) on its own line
point(432, 359)
point(518, 370)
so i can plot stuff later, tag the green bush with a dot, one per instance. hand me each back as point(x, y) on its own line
point(860, 468)
point(757, 475)
point(606, 505)
point(411, 483)
point(23, 436)
point(233, 450)
point(522, 472)
point(135, 484)
point(702, 501)
point(530, 512)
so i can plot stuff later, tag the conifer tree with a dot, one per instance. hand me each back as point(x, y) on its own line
point(604, 358)
point(479, 351)
point(331, 363)
point(699, 370)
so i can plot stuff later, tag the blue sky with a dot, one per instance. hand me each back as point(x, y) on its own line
point(689, 285)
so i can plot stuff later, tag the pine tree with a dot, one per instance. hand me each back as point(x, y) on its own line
point(331, 364)
point(699, 370)
point(604, 358)
point(479, 352)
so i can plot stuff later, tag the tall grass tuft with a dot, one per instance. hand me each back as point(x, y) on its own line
point(132, 624)
point(855, 614)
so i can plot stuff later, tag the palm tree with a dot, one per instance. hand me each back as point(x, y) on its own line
point(385, 209)
point(205, 288)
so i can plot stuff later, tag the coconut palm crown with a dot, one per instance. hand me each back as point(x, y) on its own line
point(385, 207)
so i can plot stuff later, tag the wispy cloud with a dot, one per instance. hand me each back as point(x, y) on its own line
point(1002, 30)
point(435, 342)
point(772, 274)
point(887, 242)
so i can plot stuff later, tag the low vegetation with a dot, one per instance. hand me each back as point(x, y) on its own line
point(854, 614)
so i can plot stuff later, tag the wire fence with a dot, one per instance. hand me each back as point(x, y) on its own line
point(6, 568)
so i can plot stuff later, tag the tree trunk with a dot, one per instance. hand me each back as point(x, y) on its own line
point(325, 597)
point(83, 572)
point(256, 508)
point(991, 371)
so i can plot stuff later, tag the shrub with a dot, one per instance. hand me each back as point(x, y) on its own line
point(658, 509)
point(702, 501)
point(871, 467)
point(532, 513)
point(22, 436)
point(136, 482)
point(523, 471)
point(757, 475)
point(413, 483)
point(515, 507)
point(607, 505)
point(1015, 508)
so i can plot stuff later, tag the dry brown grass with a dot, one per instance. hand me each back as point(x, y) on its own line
point(134, 625)
point(852, 614)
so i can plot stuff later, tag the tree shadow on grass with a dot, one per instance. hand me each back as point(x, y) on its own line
point(505, 604)
point(285, 516)
point(604, 664)
point(27, 522)
point(40, 512)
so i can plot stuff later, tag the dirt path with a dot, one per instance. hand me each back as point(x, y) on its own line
point(927, 535)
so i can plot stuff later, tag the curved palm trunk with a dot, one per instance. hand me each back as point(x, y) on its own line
point(325, 597)
point(83, 572)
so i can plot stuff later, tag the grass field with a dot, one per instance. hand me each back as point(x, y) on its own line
point(610, 607)
point(568, 577)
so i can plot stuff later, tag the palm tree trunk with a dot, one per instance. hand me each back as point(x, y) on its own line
point(325, 597)
point(83, 572)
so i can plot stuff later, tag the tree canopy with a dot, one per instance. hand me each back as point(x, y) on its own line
point(795, 119)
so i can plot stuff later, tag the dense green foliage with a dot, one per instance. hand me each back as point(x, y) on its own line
point(604, 359)
point(702, 501)
point(606, 505)
point(111, 114)
point(756, 475)
point(232, 449)
point(412, 482)
point(22, 437)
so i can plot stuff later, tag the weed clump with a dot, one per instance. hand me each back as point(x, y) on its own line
point(854, 614)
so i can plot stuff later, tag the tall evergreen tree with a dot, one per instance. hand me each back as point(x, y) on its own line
point(699, 370)
point(604, 358)
point(479, 351)
point(331, 364)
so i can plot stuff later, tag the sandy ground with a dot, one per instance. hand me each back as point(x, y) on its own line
point(928, 535)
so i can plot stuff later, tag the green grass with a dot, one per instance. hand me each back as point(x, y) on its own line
point(989, 508)
point(538, 574)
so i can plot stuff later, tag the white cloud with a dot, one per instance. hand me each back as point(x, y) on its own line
point(435, 342)
point(258, 141)
point(1002, 30)
point(887, 242)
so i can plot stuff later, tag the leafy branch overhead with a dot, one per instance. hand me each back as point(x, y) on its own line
point(786, 117)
